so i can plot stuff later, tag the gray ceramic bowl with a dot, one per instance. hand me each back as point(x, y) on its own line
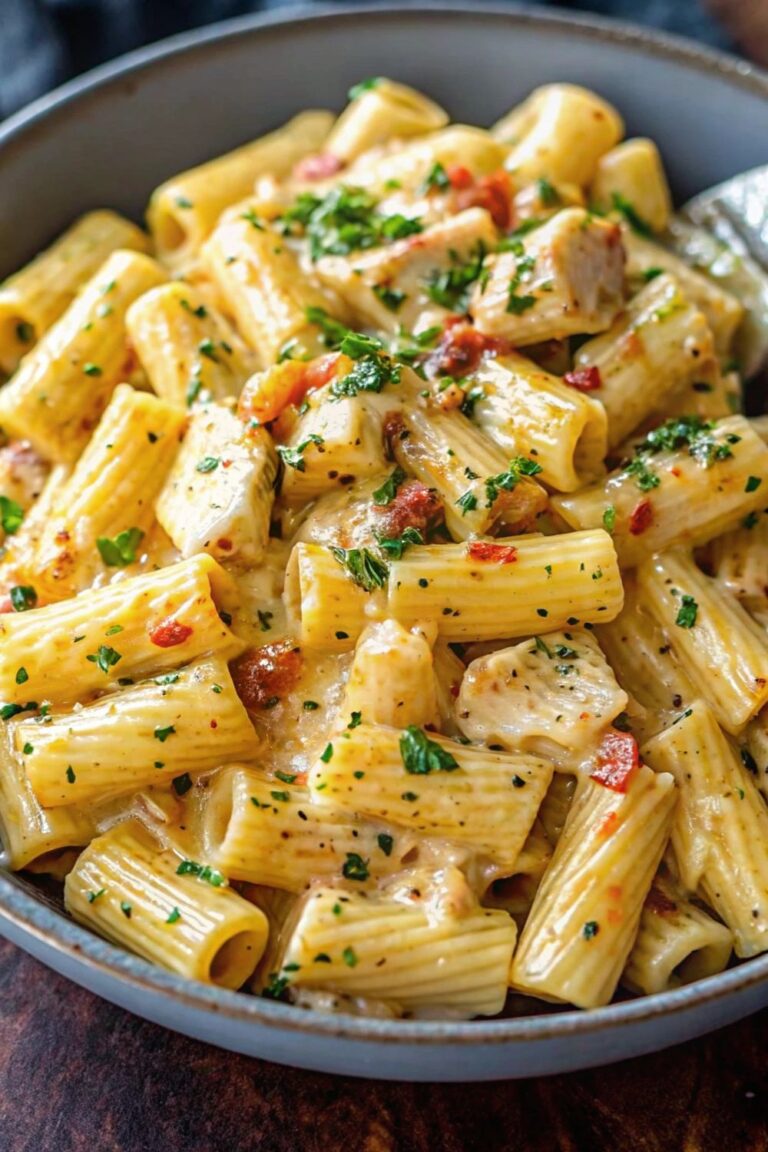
point(108, 139)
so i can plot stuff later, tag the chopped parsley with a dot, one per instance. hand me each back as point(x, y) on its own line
point(119, 551)
point(345, 220)
point(11, 515)
point(420, 755)
point(181, 784)
point(70, 775)
point(590, 929)
point(548, 194)
point(173, 916)
point(252, 219)
point(310, 705)
point(752, 484)
point(355, 720)
point(436, 178)
point(202, 871)
point(92, 897)
point(609, 518)
point(519, 467)
point(265, 620)
point(105, 658)
point(393, 547)
point(387, 492)
point(126, 909)
point(294, 457)
point(385, 842)
point(349, 956)
point(23, 597)
point(208, 464)
point(354, 867)
point(162, 734)
point(467, 503)
point(451, 287)
point(365, 569)
point(358, 90)
point(327, 753)
point(392, 298)
point(686, 616)
point(21, 676)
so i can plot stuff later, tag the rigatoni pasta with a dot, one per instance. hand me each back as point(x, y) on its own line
point(353, 549)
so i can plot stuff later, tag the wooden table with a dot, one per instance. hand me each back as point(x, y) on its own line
point(77, 1075)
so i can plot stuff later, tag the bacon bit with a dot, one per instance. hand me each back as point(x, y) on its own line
point(617, 760)
point(414, 506)
point(494, 193)
point(317, 167)
point(641, 518)
point(224, 543)
point(584, 379)
point(393, 426)
point(169, 633)
point(267, 393)
point(658, 902)
point(459, 176)
point(264, 673)
point(608, 825)
point(493, 553)
point(461, 349)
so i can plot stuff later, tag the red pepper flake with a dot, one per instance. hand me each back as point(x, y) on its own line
point(214, 723)
point(641, 518)
point(318, 167)
point(492, 553)
point(614, 916)
point(169, 633)
point(617, 760)
point(226, 463)
point(615, 892)
point(675, 471)
point(608, 825)
point(224, 543)
point(584, 379)
point(413, 506)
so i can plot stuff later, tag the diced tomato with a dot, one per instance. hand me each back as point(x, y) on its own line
point(169, 633)
point(641, 518)
point(266, 394)
point(414, 506)
point(617, 760)
point(318, 167)
point(584, 379)
point(461, 349)
point(459, 176)
point(486, 551)
point(494, 193)
point(266, 673)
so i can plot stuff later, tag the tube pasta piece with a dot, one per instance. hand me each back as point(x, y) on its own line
point(368, 945)
point(527, 411)
point(220, 504)
point(392, 677)
point(264, 286)
point(382, 110)
point(676, 497)
point(486, 800)
point(660, 345)
point(559, 133)
point(564, 279)
point(632, 175)
point(326, 607)
point(677, 942)
point(448, 453)
point(398, 285)
point(136, 627)
point(556, 805)
point(334, 444)
point(30, 834)
point(187, 349)
point(111, 491)
point(724, 312)
point(498, 598)
point(720, 831)
point(187, 721)
point(722, 650)
point(645, 664)
point(34, 298)
point(61, 389)
point(584, 919)
point(270, 832)
point(129, 890)
point(739, 558)
point(552, 696)
point(183, 212)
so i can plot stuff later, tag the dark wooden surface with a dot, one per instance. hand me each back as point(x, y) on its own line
point(77, 1075)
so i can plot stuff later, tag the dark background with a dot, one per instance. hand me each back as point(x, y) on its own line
point(43, 42)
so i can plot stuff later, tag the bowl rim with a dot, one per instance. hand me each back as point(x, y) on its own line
point(32, 915)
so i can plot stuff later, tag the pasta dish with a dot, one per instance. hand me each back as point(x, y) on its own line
point(384, 569)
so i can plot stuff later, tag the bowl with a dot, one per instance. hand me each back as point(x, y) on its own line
point(110, 137)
